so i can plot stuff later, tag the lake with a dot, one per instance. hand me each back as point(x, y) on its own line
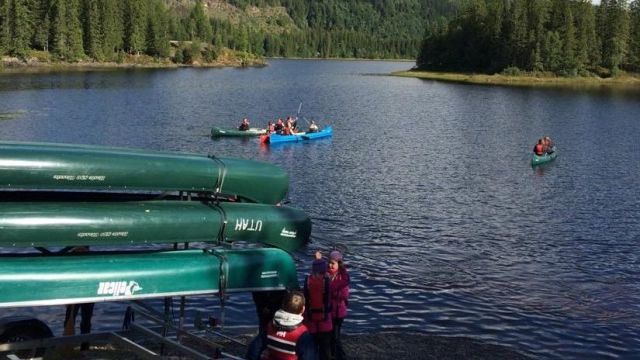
point(428, 185)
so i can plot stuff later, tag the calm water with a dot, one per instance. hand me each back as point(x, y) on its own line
point(448, 228)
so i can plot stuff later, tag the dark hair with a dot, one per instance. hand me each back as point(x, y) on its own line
point(293, 302)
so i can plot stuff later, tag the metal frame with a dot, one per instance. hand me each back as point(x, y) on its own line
point(125, 339)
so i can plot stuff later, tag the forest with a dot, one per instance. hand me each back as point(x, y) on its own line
point(107, 30)
point(557, 37)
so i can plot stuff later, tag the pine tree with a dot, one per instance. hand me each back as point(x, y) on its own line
point(135, 25)
point(75, 49)
point(93, 32)
point(41, 31)
point(158, 35)
point(634, 35)
point(200, 24)
point(569, 43)
point(615, 27)
point(112, 28)
point(20, 28)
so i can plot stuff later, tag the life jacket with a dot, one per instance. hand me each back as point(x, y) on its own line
point(538, 149)
point(281, 345)
point(317, 294)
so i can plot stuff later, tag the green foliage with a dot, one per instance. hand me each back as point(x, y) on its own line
point(634, 36)
point(179, 57)
point(566, 37)
point(106, 30)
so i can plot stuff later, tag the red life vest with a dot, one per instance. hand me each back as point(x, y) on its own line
point(281, 345)
point(317, 294)
point(538, 149)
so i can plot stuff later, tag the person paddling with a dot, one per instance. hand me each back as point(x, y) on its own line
point(313, 127)
point(539, 148)
point(244, 125)
point(548, 145)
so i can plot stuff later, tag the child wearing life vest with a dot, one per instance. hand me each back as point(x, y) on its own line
point(286, 337)
point(318, 309)
point(339, 290)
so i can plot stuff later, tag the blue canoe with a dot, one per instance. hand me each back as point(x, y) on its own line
point(275, 138)
point(547, 157)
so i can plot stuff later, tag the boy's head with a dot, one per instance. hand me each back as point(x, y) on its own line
point(293, 302)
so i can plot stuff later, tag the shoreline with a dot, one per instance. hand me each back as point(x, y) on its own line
point(627, 82)
point(16, 66)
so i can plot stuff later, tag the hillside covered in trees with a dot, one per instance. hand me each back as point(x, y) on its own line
point(110, 30)
point(562, 37)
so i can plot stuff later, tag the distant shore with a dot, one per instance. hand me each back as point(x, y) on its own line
point(626, 82)
point(34, 65)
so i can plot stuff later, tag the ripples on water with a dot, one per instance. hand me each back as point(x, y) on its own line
point(428, 185)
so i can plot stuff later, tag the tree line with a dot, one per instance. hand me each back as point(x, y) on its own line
point(107, 30)
point(564, 37)
point(104, 30)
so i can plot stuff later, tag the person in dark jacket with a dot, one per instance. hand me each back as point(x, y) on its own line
point(286, 338)
point(244, 125)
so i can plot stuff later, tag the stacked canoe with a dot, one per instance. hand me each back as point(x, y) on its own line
point(56, 196)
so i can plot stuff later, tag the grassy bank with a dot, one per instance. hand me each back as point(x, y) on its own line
point(42, 62)
point(631, 82)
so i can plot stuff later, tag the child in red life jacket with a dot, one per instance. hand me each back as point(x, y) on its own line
point(318, 310)
point(339, 290)
point(286, 337)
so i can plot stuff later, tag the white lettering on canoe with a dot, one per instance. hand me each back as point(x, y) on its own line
point(118, 288)
point(80, 177)
point(288, 233)
point(248, 225)
point(269, 274)
point(103, 234)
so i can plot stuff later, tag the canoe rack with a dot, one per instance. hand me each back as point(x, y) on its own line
point(162, 339)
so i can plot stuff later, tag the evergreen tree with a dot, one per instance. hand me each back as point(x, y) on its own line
point(20, 27)
point(569, 43)
point(587, 48)
point(135, 25)
point(200, 26)
point(634, 36)
point(158, 30)
point(41, 31)
point(615, 34)
point(93, 32)
point(112, 27)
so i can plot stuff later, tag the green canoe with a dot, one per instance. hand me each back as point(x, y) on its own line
point(545, 158)
point(219, 132)
point(50, 224)
point(46, 166)
point(44, 280)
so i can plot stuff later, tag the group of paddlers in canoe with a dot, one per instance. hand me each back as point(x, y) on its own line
point(281, 127)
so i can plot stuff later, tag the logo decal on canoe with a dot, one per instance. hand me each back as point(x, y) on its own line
point(248, 225)
point(118, 288)
point(288, 233)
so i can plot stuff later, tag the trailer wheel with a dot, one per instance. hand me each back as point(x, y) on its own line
point(26, 330)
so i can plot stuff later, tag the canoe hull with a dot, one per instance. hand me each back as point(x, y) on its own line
point(546, 158)
point(82, 167)
point(39, 280)
point(48, 224)
point(252, 132)
point(324, 133)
